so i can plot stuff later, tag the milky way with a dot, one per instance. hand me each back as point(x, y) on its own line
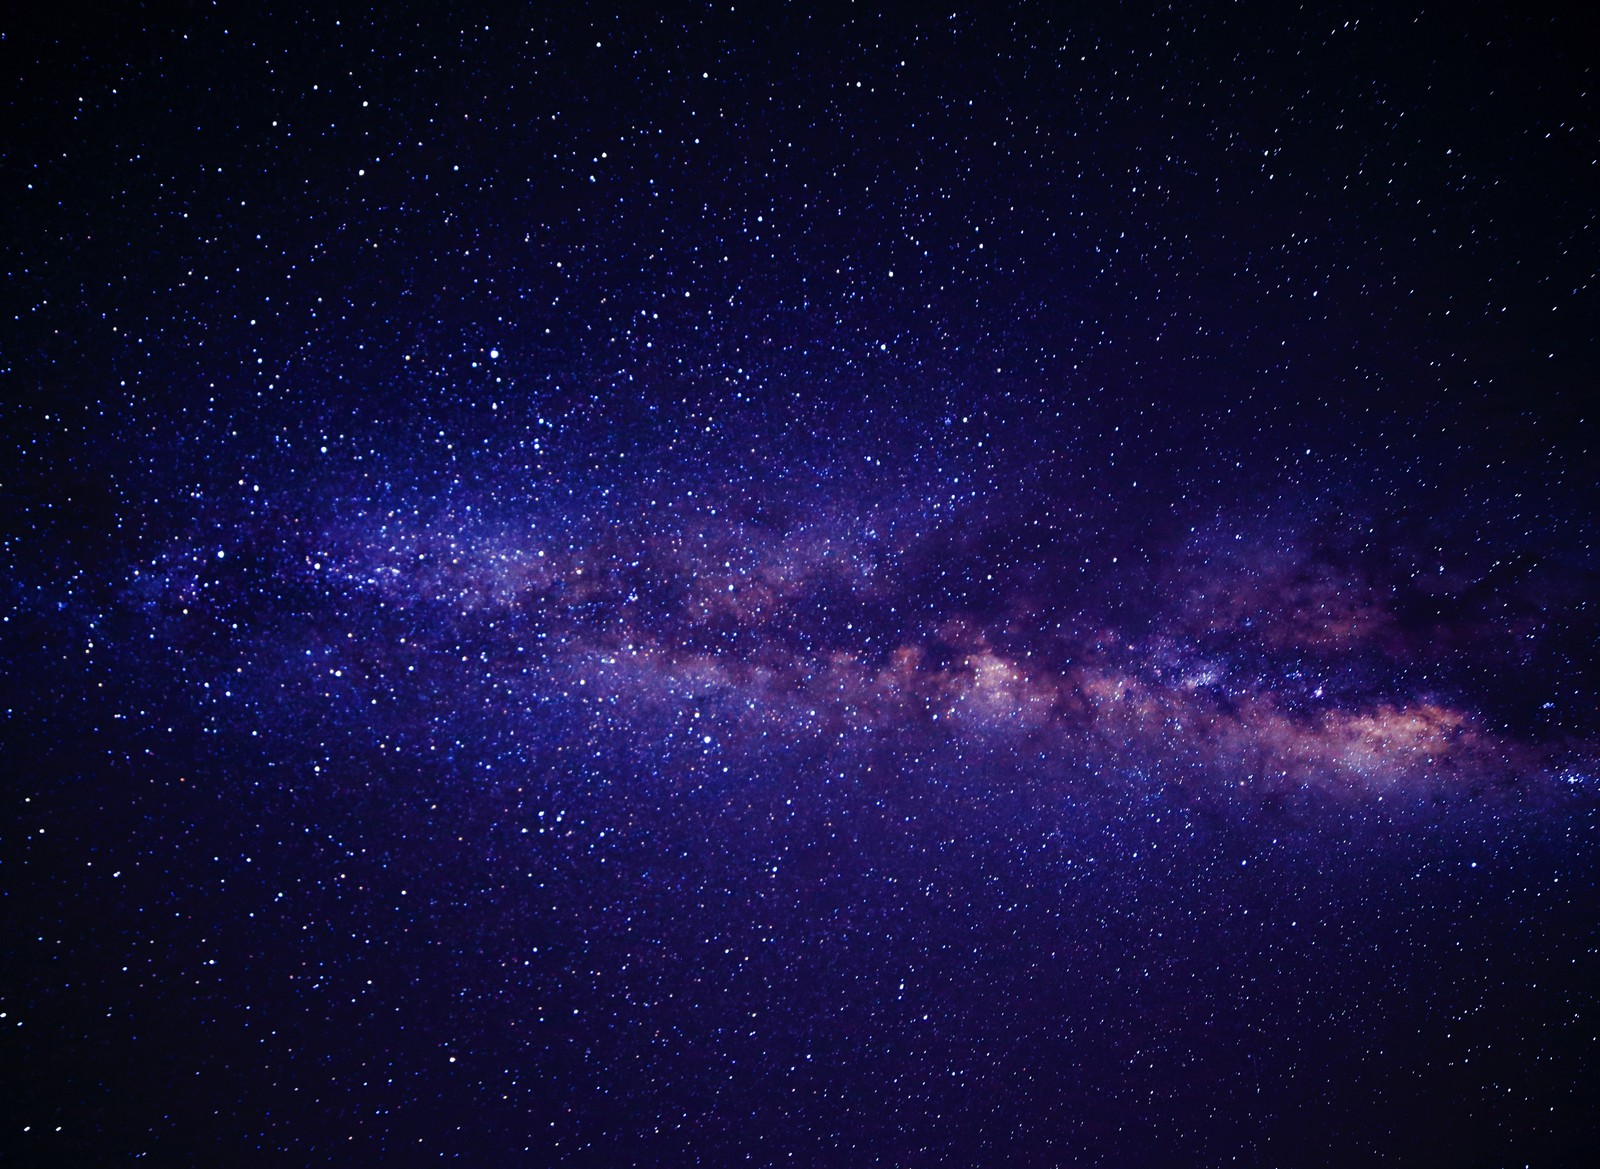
point(621, 588)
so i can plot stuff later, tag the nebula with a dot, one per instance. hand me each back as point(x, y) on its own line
point(771, 585)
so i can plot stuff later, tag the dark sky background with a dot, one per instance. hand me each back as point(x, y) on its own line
point(780, 584)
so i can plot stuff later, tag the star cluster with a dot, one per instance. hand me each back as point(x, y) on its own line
point(793, 586)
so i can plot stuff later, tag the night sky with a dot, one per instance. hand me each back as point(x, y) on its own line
point(756, 584)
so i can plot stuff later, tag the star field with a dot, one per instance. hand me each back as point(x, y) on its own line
point(769, 585)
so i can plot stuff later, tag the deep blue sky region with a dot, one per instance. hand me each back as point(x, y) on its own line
point(777, 584)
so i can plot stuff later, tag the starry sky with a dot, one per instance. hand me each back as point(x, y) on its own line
point(778, 584)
